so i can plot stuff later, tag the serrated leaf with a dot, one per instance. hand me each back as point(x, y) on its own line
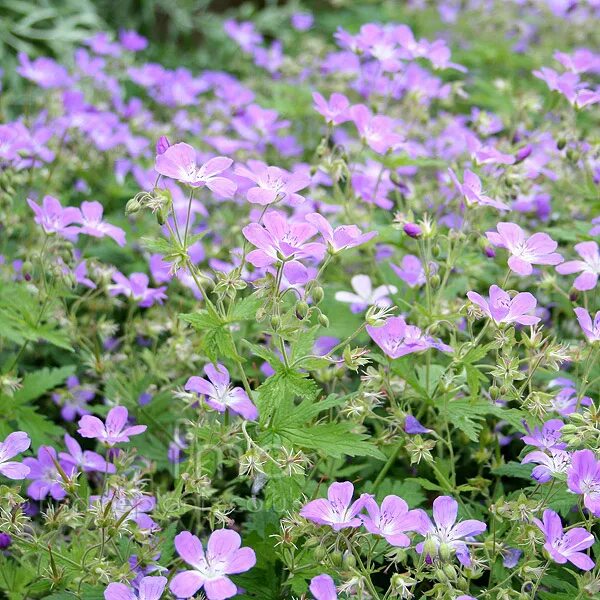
point(245, 309)
point(39, 382)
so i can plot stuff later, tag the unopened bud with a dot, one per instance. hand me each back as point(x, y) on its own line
point(275, 322)
point(412, 230)
point(317, 294)
point(323, 320)
point(162, 144)
point(302, 309)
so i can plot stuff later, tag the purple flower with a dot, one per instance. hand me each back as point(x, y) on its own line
point(565, 402)
point(272, 183)
point(412, 426)
point(445, 531)
point(556, 463)
point(583, 478)
point(87, 461)
point(589, 266)
point(179, 162)
point(392, 519)
point(548, 438)
point(302, 21)
point(14, 444)
point(322, 587)
point(411, 270)
point(113, 431)
point(472, 190)
point(132, 40)
point(136, 287)
point(590, 330)
point(74, 400)
point(43, 71)
point(55, 219)
point(162, 144)
point(281, 239)
point(150, 588)
point(129, 506)
point(376, 131)
point(563, 547)
point(397, 339)
point(340, 238)
point(365, 295)
point(44, 471)
point(92, 224)
point(412, 230)
point(502, 309)
point(243, 33)
point(337, 510)
point(5, 540)
point(335, 111)
point(223, 557)
point(535, 250)
point(219, 394)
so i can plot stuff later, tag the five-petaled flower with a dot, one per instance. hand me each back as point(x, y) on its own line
point(113, 431)
point(590, 329)
point(149, 588)
point(583, 478)
point(588, 266)
point(501, 308)
point(14, 444)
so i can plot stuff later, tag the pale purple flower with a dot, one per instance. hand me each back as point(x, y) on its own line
point(590, 329)
point(129, 505)
point(335, 111)
point(337, 510)
point(44, 471)
point(397, 339)
point(92, 223)
point(74, 400)
point(535, 250)
point(162, 144)
point(340, 238)
point(14, 444)
point(411, 270)
point(132, 40)
point(55, 219)
point(243, 33)
point(412, 426)
point(412, 230)
point(546, 438)
point(45, 72)
point(393, 519)
point(565, 402)
point(377, 131)
point(322, 587)
point(150, 588)
point(272, 184)
point(219, 394)
point(86, 460)
point(501, 308)
point(280, 238)
point(136, 287)
point(563, 547)
point(364, 295)
point(113, 431)
point(179, 162)
point(302, 21)
point(445, 530)
point(223, 557)
point(589, 266)
point(549, 465)
point(583, 478)
point(472, 190)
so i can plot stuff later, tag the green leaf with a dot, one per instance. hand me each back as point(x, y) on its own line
point(39, 382)
point(245, 310)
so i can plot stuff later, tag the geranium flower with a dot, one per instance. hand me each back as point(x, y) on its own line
point(86, 460)
point(150, 588)
point(273, 184)
point(590, 329)
point(392, 519)
point(584, 478)
point(335, 111)
point(444, 530)
point(219, 394)
point(589, 266)
point(322, 587)
point(377, 131)
point(549, 465)
point(14, 444)
point(364, 295)
point(179, 162)
point(546, 438)
point(55, 219)
point(113, 431)
point(411, 270)
point(129, 505)
point(136, 287)
point(535, 250)
point(46, 477)
point(92, 224)
point(74, 400)
point(223, 557)
point(44, 72)
point(397, 339)
point(338, 510)
point(340, 238)
point(472, 190)
point(501, 308)
point(569, 546)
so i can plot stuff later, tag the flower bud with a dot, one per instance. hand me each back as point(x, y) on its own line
point(133, 206)
point(302, 309)
point(436, 250)
point(561, 143)
point(349, 561)
point(320, 553)
point(445, 551)
point(323, 320)
point(275, 322)
point(430, 548)
point(162, 144)
point(317, 294)
point(337, 558)
point(412, 230)
point(523, 153)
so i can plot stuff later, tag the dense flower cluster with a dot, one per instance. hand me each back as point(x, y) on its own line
point(321, 322)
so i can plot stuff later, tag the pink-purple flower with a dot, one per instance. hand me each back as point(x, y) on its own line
point(15, 443)
point(136, 287)
point(444, 530)
point(411, 270)
point(219, 394)
point(364, 295)
point(569, 546)
point(583, 478)
point(75, 458)
point(396, 338)
point(92, 223)
point(113, 431)
point(501, 308)
point(588, 266)
point(472, 190)
point(149, 588)
point(46, 476)
point(336, 110)
point(591, 329)
point(179, 162)
point(342, 237)
point(337, 510)
point(537, 249)
point(210, 569)
point(549, 465)
point(322, 587)
point(55, 219)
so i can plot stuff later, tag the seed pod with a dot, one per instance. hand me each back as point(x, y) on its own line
point(337, 558)
point(302, 309)
point(323, 320)
point(349, 561)
point(275, 322)
point(317, 294)
point(436, 250)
